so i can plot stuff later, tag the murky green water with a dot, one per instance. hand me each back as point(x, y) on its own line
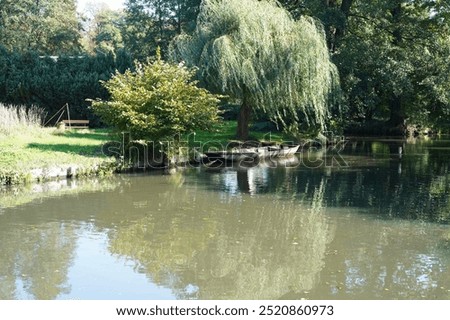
point(377, 228)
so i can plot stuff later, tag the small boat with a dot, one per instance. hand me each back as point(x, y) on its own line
point(277, 151)
point(246, 154)
point(233, 155)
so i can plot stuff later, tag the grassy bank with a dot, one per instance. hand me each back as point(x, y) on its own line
point(44, 148)
point(225, 132)
point(29, 152)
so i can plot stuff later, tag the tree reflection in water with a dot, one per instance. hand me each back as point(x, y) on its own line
point(213, 247)
point(37, 259)
point(377, 229)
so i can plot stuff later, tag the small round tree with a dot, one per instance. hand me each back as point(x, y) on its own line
point(157, 101)
point(255, 51)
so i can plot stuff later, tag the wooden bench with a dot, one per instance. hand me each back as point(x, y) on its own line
point(76, 124)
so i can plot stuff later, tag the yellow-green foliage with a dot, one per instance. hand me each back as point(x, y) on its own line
point(157, 101)
point(255, 50)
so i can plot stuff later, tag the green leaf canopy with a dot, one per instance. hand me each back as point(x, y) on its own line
point(157, 101)
point(255, 51)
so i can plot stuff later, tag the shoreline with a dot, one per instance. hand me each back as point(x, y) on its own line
point(44, 154)
point(56, 172)
point(52, 156)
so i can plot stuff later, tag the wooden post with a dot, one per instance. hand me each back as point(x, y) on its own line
point(68, 114)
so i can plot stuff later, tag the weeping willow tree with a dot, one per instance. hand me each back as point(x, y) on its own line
point(256, 52)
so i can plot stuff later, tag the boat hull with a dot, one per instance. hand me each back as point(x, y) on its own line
point(250, 154)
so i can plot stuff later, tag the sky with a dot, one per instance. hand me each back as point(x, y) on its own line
point(113, 4)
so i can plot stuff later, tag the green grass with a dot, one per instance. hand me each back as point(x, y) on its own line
point(44, 148)
point(225, 132)
point(35, 148)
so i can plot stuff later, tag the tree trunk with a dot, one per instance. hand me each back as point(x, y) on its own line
point(396, 13)
point(397, 119)
point(346, 6)
point(244, 119)
point(338, 31)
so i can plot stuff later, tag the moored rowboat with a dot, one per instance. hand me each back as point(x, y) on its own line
point(240, 154)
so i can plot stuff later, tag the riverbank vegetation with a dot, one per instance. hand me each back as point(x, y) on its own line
point(288, 77)
point(302, 66)
point(26, 146)
point(50, 82)
point(30, 152)
point(14, 120)
point(157, 101)
point(225, 132)
point(46, 151)
point(391, 57)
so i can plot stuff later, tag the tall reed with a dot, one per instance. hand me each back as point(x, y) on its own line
point(20, 119)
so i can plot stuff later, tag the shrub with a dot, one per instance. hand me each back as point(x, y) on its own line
point(51, 82)
point(157, 101)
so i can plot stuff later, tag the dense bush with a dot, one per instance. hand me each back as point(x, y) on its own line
point(51, 82)
point(157, 101)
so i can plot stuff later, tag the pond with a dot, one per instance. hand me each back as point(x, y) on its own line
point(368, 222)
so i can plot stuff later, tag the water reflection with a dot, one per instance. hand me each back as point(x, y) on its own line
point(36, 259)
point(376, 229)
point(204, 246)
point(400, 261)
point(413, 183)
point(17, 195)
